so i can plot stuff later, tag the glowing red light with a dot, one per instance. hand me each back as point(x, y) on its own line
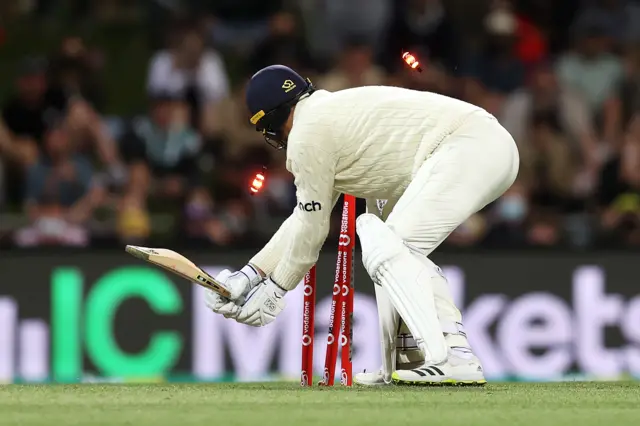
point(257, 183)
point(411, 60)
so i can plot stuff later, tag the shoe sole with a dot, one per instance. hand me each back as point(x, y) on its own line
point(370, 385)
point(448, 382)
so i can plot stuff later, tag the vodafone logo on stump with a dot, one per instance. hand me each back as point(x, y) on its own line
point(306, 324)
point(344, 240)
point(304, 379)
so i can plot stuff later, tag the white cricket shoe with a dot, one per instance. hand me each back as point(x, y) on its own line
point(370, 379)
point(460, 368)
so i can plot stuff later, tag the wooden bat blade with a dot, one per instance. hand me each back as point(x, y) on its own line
point(179, 265)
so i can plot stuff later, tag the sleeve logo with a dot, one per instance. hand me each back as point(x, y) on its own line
point(311, 206)
point(288, 86)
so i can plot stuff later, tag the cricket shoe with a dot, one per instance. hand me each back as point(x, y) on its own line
point(460, 368)
point(370, 379)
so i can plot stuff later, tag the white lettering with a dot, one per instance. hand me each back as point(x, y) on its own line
point(33, 340)
point(478, 318)
point(455, 279)
point(306, 318)
point(8, 325)
point(594, 311)
point(631, 330)
point(519, 331)
point(207, 341)
point(537, 335)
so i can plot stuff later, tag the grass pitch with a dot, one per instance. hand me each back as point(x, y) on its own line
point(271, 404)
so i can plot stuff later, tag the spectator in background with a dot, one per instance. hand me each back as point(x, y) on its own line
point(496, 66)
point(2, 190)
point(622, 16)
point(473, 91)
point(192, 72)
point(543, 95)
point(75, 71)
point(596, 73)
point(355, 68)
point(61, 194)
point(507, 217)
point(551, 171)
point(629, 92)
point(282, 45)
point(548, 166)
point(33, 108)
point(550, 18)
point(237, 25)
point(161, 150)
point(26, 115)
point(37, 104)
point(534, 210)
point(159, 15)
point(12, 155)
point(233, 126)
point(7, 151)
point(423, 23)
point(531, 46)
point(226, 222)
point(245, 153)
point(330, 24)
point(619, 196)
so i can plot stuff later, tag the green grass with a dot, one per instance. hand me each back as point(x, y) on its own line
point(580, 404)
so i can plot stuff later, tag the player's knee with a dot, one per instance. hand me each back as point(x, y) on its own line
point(379, 242)
point(426, 234)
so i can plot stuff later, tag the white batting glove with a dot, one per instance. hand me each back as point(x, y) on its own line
point(218, 304)
point(221, 305)
point(239, 284)
point(263, 305)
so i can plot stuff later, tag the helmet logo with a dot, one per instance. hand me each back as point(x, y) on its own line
point(288, 86)
point(257, 117)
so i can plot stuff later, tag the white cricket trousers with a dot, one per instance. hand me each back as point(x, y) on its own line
point(469, 169)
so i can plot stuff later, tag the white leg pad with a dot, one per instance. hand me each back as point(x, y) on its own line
point(389, 322)
point(406, 280)
point(448, 313)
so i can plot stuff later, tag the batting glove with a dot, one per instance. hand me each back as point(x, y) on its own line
point(239, 285)
point(263, 305)
point(218, 304)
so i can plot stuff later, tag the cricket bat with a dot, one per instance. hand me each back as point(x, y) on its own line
point(179, 265)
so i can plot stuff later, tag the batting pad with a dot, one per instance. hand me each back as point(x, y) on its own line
point(407, 281)
point(389, 322)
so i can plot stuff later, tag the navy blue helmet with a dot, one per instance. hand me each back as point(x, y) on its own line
point(271, 94)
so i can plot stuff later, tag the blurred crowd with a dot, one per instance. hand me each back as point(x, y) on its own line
point(562, 77)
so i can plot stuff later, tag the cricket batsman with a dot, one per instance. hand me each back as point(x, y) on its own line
point(437, 161)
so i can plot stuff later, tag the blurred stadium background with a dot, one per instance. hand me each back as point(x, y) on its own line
point(123, 121)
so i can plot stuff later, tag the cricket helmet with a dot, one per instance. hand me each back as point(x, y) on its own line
point(271, 94)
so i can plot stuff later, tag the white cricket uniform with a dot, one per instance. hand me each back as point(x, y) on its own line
point(441, 159)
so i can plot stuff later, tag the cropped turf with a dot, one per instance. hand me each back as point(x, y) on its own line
point(279, 404)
